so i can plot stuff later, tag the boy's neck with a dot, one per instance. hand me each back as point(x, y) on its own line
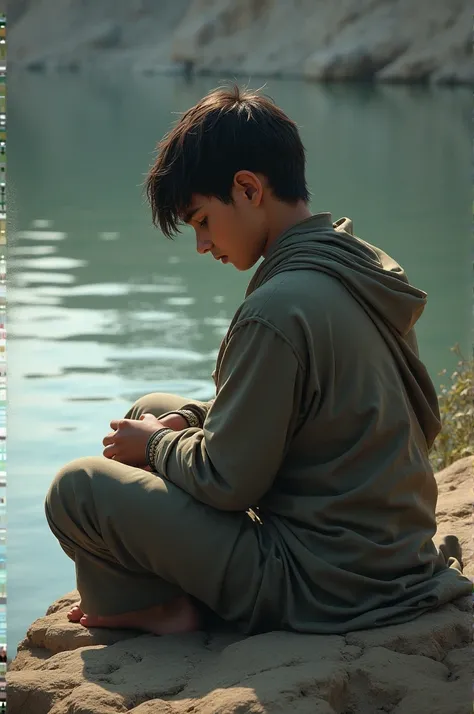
point(283, 217)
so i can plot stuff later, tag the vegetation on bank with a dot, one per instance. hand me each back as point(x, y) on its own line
point(456, 404)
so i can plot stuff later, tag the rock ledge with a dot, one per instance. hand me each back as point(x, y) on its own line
point(422, 667)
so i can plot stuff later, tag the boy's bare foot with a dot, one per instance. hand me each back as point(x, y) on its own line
point(75, 613)
point(178, 616)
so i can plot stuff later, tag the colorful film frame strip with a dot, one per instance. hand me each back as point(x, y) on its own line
point(3, 370)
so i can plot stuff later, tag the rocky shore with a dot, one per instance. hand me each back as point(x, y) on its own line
point(423, 666)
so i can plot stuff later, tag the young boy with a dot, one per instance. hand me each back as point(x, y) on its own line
point(302, 497)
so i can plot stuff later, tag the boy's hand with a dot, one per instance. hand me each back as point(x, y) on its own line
point(175, 422)
point(127, 443)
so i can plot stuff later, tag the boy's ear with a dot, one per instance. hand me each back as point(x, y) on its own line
point(249, 185)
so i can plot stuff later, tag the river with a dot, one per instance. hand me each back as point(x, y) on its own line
point(102, 308)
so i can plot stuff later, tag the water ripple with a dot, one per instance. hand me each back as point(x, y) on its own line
point(39, 235)
point(51, 262)
point(32, 249)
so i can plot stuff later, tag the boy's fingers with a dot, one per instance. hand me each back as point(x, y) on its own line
point(109, 452)
point(109, 439)
point(117, 423)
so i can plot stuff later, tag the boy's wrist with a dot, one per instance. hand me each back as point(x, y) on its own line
point(190, 417)
point(174, 421)
point(184, 418)
point(153, 445)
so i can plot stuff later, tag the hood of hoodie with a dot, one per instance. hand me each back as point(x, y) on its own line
point(379, 285)
point(373, 277)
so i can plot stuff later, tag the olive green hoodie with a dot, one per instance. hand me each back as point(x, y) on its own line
point(322, 421)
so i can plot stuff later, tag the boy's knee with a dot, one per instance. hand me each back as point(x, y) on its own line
point(63, 503)
point(65, 484)
point(156, 403)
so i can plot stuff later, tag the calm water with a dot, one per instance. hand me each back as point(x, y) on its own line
point(103, 309)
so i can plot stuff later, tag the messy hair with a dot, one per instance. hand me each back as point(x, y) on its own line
point(229, 130)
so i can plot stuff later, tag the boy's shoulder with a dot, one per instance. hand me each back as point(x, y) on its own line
point(291, 298)
point(290, 291)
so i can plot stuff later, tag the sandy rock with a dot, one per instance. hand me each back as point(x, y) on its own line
point(455, 508)
point(395, 669)
point(391, 40)
point(422, 666)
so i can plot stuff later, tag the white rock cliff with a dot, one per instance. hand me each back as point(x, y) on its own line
point(387, 40)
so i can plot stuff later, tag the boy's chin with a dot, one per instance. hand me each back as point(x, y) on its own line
point(242, 266)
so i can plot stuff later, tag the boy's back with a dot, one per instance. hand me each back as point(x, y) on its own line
point(352, 507)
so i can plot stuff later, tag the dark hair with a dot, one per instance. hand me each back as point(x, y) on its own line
point(229, 130)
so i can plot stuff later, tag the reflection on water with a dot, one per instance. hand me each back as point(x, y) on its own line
point(104, 309)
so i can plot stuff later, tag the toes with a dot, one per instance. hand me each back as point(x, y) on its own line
point(75, 614)
point(91, 621)
point(113, 622)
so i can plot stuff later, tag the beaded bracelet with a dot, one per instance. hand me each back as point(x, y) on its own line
point(190, 413)
point(152, 445)
point(191, 417)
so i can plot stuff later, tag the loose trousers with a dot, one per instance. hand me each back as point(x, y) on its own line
point(138, 540)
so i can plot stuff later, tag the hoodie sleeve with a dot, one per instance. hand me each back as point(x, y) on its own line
point(232, 462)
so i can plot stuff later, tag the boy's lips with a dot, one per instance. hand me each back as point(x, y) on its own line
point(223, 258)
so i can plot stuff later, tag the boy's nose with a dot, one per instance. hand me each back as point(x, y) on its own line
point(203, 246)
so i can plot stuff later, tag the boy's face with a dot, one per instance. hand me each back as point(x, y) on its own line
point(236, 232)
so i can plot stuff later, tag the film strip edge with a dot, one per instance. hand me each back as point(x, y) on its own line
point(3, 347)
